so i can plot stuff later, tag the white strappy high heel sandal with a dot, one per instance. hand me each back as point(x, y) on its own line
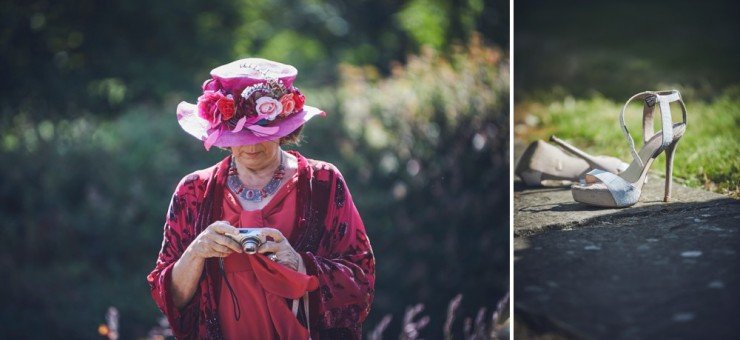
point(605, 189)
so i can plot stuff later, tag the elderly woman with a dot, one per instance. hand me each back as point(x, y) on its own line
point(313, 273)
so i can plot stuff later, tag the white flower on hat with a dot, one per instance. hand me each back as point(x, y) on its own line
point(268, 108)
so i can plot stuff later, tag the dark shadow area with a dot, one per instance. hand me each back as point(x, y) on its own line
point(661, 271)
point(531, 325)
point(519, 188)
point(574, 206)
point(617, 48)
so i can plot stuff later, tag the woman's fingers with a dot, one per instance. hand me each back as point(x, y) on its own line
point(275, 234)
point(215, 253)
point(207, 246)
point(269, 247)
point(283, 253)
point(211, 247)
point(223, 227)
point(228, 242)
point(215, 242)
point(219, 248)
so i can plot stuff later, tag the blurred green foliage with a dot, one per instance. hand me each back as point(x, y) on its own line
point(91, 152)
point(618, 48)
point(65, 58)
point(425, 152)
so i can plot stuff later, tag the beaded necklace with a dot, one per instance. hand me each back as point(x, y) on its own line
point(255, 195)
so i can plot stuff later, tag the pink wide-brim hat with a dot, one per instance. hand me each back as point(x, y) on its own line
point(233, 78)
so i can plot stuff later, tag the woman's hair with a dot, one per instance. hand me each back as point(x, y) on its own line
point(293, 138)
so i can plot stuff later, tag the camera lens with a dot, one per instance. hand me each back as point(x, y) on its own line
point(251, 244)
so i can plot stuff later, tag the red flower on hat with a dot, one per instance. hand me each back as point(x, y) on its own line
point(215, 107)
point(299, 99)
point(288, 105)
point(226, 107)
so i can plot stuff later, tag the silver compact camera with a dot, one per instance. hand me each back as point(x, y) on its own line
point(248, 238)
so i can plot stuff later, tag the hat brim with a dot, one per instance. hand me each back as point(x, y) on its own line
point(193, 124)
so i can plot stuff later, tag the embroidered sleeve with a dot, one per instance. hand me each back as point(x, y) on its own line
point(344, 264)
point(178, 233)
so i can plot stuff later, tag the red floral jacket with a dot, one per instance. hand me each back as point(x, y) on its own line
point(329, 235)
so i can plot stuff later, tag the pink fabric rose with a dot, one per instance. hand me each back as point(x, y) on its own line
point(215, 107)
point(288, 105)
point(207, 108)
point(268, 108)
point(210, 85)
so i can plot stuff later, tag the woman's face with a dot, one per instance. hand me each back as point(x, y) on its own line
point(257, 156)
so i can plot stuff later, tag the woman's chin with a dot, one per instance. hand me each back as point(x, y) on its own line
point(251, 155)
point(253, 161)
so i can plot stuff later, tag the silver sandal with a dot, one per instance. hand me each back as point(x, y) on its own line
point(605, 189)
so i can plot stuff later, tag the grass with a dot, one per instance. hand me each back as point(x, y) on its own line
point(707, 156)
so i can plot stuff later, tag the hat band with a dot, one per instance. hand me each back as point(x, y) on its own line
point(257, 107)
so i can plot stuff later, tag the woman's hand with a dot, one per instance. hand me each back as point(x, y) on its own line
point(279, 247)
point(213, 241)
point(188, 269)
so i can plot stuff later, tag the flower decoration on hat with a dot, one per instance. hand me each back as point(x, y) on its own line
point(215, 107)
point(245, 102)
point(255, 108)
point(268, 108)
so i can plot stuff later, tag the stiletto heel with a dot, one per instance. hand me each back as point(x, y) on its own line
point(546, 165)
point(611, 164)
point(669, 170)
point(605, 189)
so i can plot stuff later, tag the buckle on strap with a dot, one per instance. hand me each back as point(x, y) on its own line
point(650, 100)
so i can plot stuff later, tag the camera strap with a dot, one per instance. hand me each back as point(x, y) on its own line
point(234, 300)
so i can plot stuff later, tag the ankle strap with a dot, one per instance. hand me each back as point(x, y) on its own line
point(663, 98)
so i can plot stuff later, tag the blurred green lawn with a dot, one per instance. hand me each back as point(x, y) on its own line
point(707, 156)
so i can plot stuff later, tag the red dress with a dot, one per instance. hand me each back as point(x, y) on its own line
point(260, 286)
point(328, 233)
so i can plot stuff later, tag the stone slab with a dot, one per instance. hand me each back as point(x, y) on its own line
point(652, 271)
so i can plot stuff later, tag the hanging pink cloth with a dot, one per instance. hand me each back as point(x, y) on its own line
point(260, 285)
